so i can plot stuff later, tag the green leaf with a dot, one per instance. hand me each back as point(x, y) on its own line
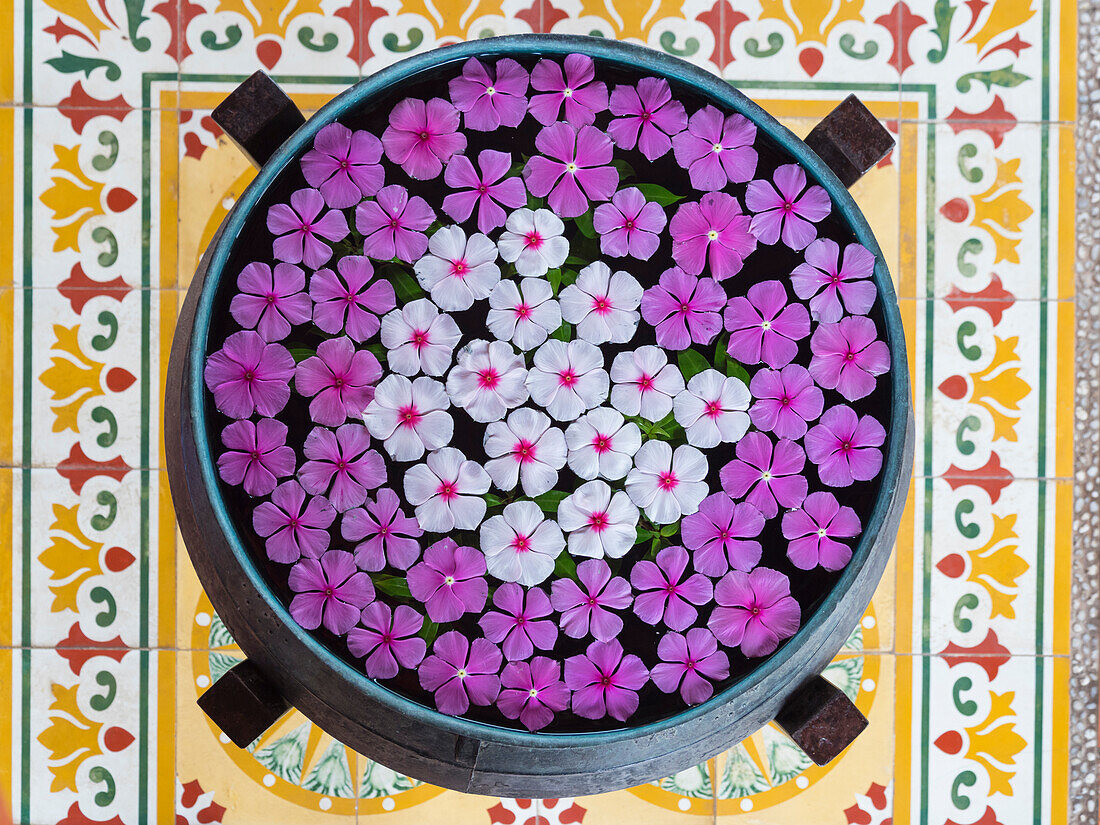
point(643, 535)
point(492, 501)
point(670, 529)
point(392, 586)
point(691, 363)
point(564, 332)
point(584, 224)
point(573, 260)
point(720, 356)
point(300, 354)
point(735, 370)
point(549, 502)
point(535, 203)
point(554, 277)
point(625, 169)
point(406, 286)
point(565, 567)
point(378, 350)
point(658, 194)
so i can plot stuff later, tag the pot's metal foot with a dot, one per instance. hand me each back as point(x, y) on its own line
point(850, 140)
point(243, 703)
point(821, 720)
point(258, 117)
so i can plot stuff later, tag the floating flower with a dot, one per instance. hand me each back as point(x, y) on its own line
point(523, 313)
point(488, 380)
point(645, 383)
point(689, 664)
point(599, 524)
point(519, 625)
point(723, 535)
point(519, 545)
point(756, 611)
point(417, 337)
point(786, 208)
point(421, 136)
point(629, 225)
point(524, 450)
point(256, 455)
point(587, 608)
point(828, 282)
point(663, 593)
point(583, 96)
point(845, 447)
point(767, 476)
point(461, 673)
point(344, 165)
point(603, 306)
point(488, 190)
point(339, 379)
point(848, 355)
point(567, 378)
point(349, 302)
point(647, 117)
point(763, 327)
point(813, 531)
point(667, 484)
point(270, 301)
point(785, 400)
point(329, 591)
point(533, 241)
point(248, 375)
point(490, 100)
point(716, 149)
point(712, 233)
point(712, 409)
point(447, 491)
point(410, 416)
point(684, 308)
point(394, 224)
point(532, 692)
point(605, 682)
point(386, 535)
point(300, 228)
point(293, 525)
point(388, 639)
point(341, 465)
point(458, 271)
point(602, 443)
point(574, 168)
point(449, 581)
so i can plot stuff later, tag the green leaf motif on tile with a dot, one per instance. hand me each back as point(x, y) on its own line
point(967, 152)
point(1006, 77)
point(102, 701)
point(740, 777)
point(969, 424)
point(846, 675)
point(134, 18)
point(105, 617)
point(101, 776)
point(102, 234)
point(754, 49)
point(668, 43)
point(104, 162)
point(967, 707)
point(72, 64)
point(965, 508)
point(971, 352)
point(101, 521)
point(101, 343)
point(854, 641)
point(331, 776)
point(379, 781)
point(848, 46)
point(390, 41)
point(102, 415)
point(692, 782)
point(785, 759)
point(973, 246)
point(329, 42)
point(965, 779)
point(943, 11)
point(220, 663)
point(285, 755)
point(219, 633)
point(968, 601)
point(233, 36)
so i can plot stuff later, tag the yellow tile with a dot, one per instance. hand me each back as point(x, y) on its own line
point(11, 555)
point(7, 662)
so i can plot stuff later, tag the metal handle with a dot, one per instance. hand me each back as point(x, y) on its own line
point(243, 703)
point(821, 720)
point(850, 140)
point(258, 117)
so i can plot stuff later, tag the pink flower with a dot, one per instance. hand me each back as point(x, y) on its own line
point(767, 477)
point(461, 673)
point(583, 96)
point(270, 301)
point(409, 416)
point(605, 682)
point(598, 523)
point(458, 271)
point(688, 664)
point(417, 337)
point(491, 100)
point(249, 376)
point(785, 400)
point(663, 593)
point(300, 229)
point(647, 117)
point(520, 545)
point(447, 491)
point(723, 535)
point(667, 484)
point(387, 639)
point(488, 191)
point(848, 355)
point(828, 282)
point(813, 530)
point(256, 455)
point(786, 208)
point(291, 529)
point(347, 302)
point(716, 149)
point(645, 383)
point(488, 380)
point(712, 409)
point(532, 692)
point(519, 625)
point(756, 611)
point(684, 308)
point(344, 165)
point(394, 224)
point(386, 535)
point(602, 305)
point(712, 232)
point(330, 591)
point(629, 225)
point(450, 581)
point(339, 379)
point(524, 450)
point(574, 168)
point(845, 447)
point(567, 378)
point(341, 465)
point(764, 327)
point(423, 136)
point(587, 607)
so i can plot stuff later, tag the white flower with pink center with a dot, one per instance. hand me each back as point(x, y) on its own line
point(520, 545)
point(604, 306)
point(525, 314)
point(667, 484)
point(447, 491)
point(602, 443)
point(409, 416)
point(598, 523)
point(567, 378)
point(645, 383)
point(417, 337)
point(524, 450)
point(488, 380)
point(532, 240)
point(713, 409)
point(458, 271)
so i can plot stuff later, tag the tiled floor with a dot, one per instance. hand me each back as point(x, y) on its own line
point(115, 179)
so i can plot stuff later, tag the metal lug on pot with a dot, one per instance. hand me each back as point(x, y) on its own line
point(850, 140)
point(243, 703)
point(821, 720)
point(258, 117)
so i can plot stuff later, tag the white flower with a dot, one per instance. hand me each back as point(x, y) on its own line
point(409, 416)
point(525, 315)
point(667, 484)
point(458, 271)
point(712, 409)
point(533, 241)
point(525, 449)
point(645, 383)
point(601, 443)
point(418, 338)
point(519, 545)
point(603, 306)
point(598, 523)
point(488, 380)
point(447, 491)
point(567, 378)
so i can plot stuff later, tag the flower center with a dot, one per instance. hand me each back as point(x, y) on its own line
point(567, 378)
point(387, 638)
point(765, 325)
point(384, 530)
point(846, 447)
point(255, 454)
point(601, 443)
point(525, 451)
point(567, 92)
point(329, 592)
point(836, 279)
point(724, 535)
point(647, 116)
point(716, 147)
point(713, 234)
point(628, 224)
point(419, 338)
point(408, 416)
point(787, 207)
point(785, 401)
point(598, 521)
point(394, 223)
point(713, 409)
point(523, 311)
point(423, 135)
point(338, 381)
point(645, 382)
point(533, 692)
point(601, 306)
point(822, 532)
point(591, 602)
point(690, 664)
point(766, 475)
point(447, 491)
point(533, 240)
point(754, 610)
point(488, 378)
point(249, 375)
point(461, 673)
point(667, 480)
point(605, 681)
point(483, 189)
point(460, 268)
point(521, 543)
point(490, 91)
point(292, 521)
point(342, 464)
point(571, 167)
point(849, 356)
point(450, 580)
point(344, 164)
point(270, 298)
